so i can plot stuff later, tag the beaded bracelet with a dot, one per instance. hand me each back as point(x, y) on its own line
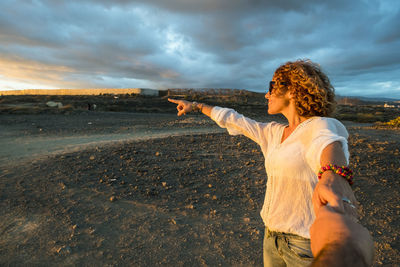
point(343, 171)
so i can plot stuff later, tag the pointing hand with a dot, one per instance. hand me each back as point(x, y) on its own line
point(183, 106)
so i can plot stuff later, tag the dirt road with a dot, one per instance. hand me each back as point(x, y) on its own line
point(34, 137)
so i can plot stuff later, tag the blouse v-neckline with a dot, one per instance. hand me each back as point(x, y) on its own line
point(301, 125)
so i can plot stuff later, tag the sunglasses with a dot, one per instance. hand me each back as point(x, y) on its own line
point(271, 86)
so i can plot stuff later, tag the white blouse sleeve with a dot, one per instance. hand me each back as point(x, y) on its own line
point(237, 124)
point(325, 132)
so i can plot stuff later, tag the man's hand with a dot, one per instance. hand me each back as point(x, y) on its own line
point(344, 241)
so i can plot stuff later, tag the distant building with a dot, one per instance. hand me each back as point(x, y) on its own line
point(386, 105)
point(146, 91)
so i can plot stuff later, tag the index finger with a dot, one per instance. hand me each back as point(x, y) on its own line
point(173, 100)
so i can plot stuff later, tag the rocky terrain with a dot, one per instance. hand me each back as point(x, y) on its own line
point(138, 197)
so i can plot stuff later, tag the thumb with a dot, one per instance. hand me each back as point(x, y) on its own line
point(181, 112)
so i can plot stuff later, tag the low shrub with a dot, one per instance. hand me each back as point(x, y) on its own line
point(393, 123)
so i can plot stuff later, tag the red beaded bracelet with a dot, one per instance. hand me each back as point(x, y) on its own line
point(343, 171)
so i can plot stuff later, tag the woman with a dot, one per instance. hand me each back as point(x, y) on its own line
point(295, 154)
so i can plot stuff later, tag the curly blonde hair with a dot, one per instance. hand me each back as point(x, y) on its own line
point(313, 93)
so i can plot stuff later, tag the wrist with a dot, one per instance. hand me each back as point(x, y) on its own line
point(197, 106)
point(330, 177)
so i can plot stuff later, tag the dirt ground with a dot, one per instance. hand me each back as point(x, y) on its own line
point(103, 188)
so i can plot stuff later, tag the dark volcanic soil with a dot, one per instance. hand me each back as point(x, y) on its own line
point(191, 200)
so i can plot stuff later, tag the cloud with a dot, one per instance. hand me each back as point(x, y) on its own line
point(188, 43)
point(24, 71)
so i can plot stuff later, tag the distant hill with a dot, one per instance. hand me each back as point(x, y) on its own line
point(360, 100)
point(367, 100)
point(370, 99)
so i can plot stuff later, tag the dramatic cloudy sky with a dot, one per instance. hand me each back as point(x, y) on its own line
point(198, 43)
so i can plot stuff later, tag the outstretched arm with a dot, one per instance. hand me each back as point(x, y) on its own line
point(187, 106)
point(234, 122)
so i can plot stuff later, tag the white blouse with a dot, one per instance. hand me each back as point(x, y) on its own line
point(292, 166)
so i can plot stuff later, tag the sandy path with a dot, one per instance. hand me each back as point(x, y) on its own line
point(50, 135)
point(22, 148)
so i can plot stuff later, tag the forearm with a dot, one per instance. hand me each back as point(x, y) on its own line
point(337, 240)
point(204, 108)
point(340, 254)
point(333, 154)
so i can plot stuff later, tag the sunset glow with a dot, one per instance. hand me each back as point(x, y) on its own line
point(197, 44)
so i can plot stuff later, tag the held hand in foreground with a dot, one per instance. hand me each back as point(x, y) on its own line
point(183, 106)
point(340, 239)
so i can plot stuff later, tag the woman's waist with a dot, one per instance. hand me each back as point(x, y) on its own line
point(271, 233)
point(295, 222)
